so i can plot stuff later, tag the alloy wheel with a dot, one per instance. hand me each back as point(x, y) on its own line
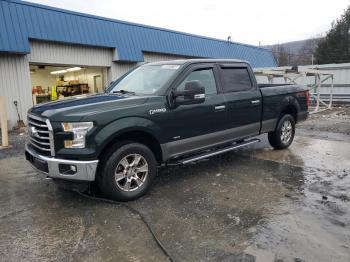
point(286, 131)
point(131, 172)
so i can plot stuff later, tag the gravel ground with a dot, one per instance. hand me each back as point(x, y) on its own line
point(17, 140)
point(330, 124)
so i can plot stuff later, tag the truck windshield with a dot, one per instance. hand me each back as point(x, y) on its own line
point(146, 79)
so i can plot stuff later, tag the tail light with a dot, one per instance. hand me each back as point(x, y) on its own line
point(307, 97)
point(305, 94)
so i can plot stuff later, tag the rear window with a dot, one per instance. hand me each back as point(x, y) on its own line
point(235, 79)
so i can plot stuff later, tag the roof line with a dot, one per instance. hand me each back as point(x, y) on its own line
point(61, 10)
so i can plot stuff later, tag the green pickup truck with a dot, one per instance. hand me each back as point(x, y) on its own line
point(171, 112)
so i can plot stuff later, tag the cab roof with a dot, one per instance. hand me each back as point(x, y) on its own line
point(196, 61)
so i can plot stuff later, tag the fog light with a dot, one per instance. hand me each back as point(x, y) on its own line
point(66, 169)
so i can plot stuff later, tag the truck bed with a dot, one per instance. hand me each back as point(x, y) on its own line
point(272, 85)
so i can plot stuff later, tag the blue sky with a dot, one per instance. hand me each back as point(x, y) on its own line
point(251, 22)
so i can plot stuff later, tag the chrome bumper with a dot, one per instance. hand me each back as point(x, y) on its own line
point(50, 166)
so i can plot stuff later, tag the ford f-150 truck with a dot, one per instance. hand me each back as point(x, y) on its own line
point(172, 112)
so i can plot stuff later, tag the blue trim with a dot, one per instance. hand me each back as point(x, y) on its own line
point(21, 21)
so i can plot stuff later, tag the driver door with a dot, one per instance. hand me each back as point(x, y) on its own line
point(192, 127)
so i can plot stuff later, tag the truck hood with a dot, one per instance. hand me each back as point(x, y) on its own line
point(80, 106)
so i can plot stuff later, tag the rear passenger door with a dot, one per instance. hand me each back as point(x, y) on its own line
point(243, 98)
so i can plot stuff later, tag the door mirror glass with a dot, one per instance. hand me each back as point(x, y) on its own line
point(193, 93)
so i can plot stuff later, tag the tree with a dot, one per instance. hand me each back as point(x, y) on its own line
point(335, 47)
point(281, 55)
point(304, 55)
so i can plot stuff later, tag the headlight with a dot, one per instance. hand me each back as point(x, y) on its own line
point(79, 129)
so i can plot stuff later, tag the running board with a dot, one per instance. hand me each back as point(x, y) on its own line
point(217, 152)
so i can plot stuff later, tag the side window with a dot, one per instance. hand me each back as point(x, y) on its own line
point(205, 76)
point(235, 79)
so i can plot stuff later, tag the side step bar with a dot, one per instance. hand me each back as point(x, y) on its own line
point(217, 152)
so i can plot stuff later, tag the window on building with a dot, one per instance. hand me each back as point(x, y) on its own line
point(235, 79)
point(205, 76)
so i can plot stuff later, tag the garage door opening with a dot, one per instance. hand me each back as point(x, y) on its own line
point(50, 82)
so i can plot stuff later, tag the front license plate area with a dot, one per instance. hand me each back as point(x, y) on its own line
point(37, 163)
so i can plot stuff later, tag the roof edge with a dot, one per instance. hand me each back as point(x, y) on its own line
point(128, 23)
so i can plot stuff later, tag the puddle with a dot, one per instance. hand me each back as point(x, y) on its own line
point(310, 152)
point(310, 224)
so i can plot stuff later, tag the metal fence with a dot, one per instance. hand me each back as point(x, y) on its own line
point(341, 80)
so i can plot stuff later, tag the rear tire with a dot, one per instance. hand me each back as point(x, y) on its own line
point(284, 133)
point(127, 171)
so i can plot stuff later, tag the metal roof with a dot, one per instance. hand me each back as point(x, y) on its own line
point(21, 21)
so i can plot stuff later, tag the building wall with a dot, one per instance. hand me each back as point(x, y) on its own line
point(153, 57)
point(120, 68)
point(15, 85)
point(16, 80)
point(68, 54)
point(22, 21)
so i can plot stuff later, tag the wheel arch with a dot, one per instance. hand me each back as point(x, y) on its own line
point(137, 134)
point(290, 106)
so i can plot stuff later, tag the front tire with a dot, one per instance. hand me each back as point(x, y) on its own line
point(284, 133)
point(127, 172)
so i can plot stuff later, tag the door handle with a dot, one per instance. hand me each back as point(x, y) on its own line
point(255, 101)
point(222, 107)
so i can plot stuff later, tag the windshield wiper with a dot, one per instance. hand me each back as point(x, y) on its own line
point(123, 92)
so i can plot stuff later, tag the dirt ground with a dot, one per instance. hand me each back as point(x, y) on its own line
point(256, 204)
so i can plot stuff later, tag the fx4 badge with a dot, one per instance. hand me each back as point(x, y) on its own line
point(159, 110)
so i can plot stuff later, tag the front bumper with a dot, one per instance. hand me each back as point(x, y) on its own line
point(52, 167)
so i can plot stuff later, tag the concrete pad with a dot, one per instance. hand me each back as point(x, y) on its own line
point(243, 206)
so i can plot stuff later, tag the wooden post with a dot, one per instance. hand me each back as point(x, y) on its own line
point(331, 95)
point(318, 92)
point(34, 99)
point(3, 119)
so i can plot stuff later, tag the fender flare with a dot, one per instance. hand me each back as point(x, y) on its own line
point(285, 103)
point(122, 126)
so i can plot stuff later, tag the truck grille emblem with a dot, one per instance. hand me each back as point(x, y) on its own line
point(33, 131)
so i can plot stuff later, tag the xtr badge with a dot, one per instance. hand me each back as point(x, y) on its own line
point(158, 110)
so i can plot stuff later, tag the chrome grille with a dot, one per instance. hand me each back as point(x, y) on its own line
point(40, 135)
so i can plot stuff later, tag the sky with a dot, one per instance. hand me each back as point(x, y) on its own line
point(251, 22)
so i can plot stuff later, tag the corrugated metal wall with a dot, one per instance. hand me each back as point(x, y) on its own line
point(15, 85)
point(153, 57)
point(67, 54)
point(20, 21)
point(118, 69)
point(15, 75)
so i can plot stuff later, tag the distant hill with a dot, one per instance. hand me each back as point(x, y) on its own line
point(294, 53)
point(294, 47)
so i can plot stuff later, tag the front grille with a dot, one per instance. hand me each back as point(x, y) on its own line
point(40, 135)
